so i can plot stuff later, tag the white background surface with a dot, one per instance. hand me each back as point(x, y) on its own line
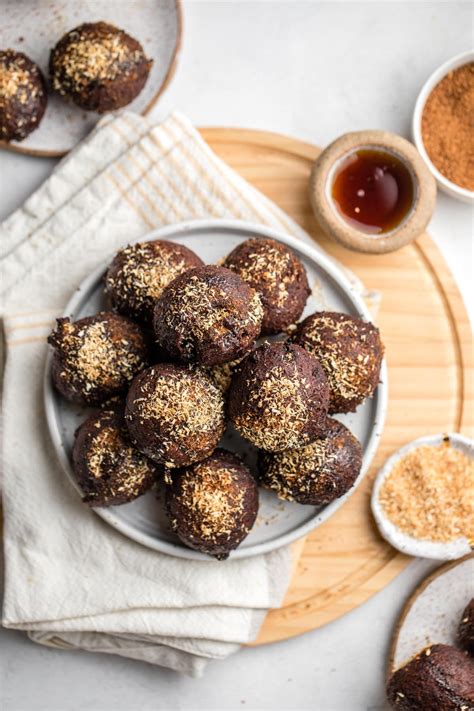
point(313, 70)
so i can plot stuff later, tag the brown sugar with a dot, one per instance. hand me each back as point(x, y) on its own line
point(447, 126)
point(429, 494)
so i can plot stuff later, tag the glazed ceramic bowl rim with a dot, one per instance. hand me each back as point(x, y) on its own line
point(409, 545)
point(435, 77)
point(371, 146)
point(340, 229)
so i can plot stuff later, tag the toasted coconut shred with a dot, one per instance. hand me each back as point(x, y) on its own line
point(109, 451)
point(345, 377)
point(145, 273)
point(300, 467)
point(186, 408)
point(279, 413)
point(216, 501)
point(15, 81)
point(91, 353)
point(185, 404)
point(95, 59)
point(273, 268)
point(200, 299)
point(429, 494)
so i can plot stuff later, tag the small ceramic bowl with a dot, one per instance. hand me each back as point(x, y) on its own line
point(400, 540)
point(333, 222)
point(443, 183)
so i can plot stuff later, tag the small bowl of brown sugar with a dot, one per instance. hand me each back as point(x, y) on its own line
point(443, 128)
point(423, 497)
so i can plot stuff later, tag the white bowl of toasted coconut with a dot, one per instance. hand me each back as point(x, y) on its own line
point(423, 497)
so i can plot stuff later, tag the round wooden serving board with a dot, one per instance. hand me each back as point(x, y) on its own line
point(427, 336)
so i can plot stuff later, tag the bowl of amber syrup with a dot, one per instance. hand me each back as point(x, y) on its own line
point(372, 192)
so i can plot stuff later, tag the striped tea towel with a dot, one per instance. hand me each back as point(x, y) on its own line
point(72, 582)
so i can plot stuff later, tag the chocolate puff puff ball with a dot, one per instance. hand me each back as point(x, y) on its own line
point(208, 315)
point(175, 414)
point(95, 358)
point(466, 628)
point(213, 505)
point(350, 351)
point(23, 96)
point(139, 273)
point(108, 468)
point(279, 397)
point(439, 678)
point(277, 275)
point(99, 67)
point(315, 474)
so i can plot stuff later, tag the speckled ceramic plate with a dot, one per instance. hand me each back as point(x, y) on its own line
point(34, 27)
point(278, 522)
point(433, 612)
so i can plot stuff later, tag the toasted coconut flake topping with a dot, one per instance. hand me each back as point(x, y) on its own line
point(213, 501)
point(92, 356)
point(21, 85)
point(15, 82)
point(96, 56)
point(186, 402)
point(299, 467)
point(111, 452)
point(199, 300)
point(347, 377)
point(276, 414)
point(269, 267)
point(187, 408)
point(144, 273)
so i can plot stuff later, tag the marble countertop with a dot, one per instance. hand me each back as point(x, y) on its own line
point(313, 70)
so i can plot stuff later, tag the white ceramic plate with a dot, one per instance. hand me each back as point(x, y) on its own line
point(401, 541)
point(443, 183)
point(433, 612)
point(278, 522)
point(34, 27)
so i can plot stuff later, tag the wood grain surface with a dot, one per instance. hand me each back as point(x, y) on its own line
point(427, 336)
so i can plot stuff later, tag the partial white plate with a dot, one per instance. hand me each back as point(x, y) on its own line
point(432, 614)
point(35, 27)
point(401, 541)
point(278, 522)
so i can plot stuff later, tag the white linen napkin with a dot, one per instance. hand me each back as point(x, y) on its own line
point(71, 580)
